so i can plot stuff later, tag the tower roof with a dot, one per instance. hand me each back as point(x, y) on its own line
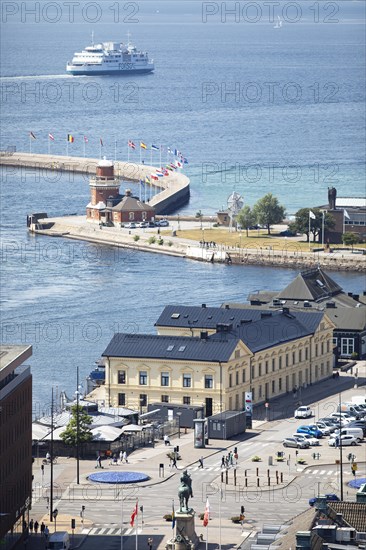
point(104, 163)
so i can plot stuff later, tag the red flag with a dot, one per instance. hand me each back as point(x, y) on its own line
point(133, 515)
point(86, 139)
point(131, 144)
point(206, 515)
point(51, 137)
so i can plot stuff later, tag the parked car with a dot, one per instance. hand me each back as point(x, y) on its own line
point(356, 432)
point(311, 430)
point(143, 225)
point(307, 437)
point(292, 442)
point(358, 424)
point(163, 223)
point(346, 440)
point(342, 418)
point(303, 412)
point(329, 497)
point(287, 233)
point(330, 423)
point(130, 225)
point(151, 224)
point(326, 430)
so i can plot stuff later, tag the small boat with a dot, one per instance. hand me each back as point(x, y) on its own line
point(278, 24)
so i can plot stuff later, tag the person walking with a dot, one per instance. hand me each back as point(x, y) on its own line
point(150, 543)
point(31, 525)
point(174, 463)
point(200, 460)
point(99, 461)
point(42, 528)
point(46, 533)
point(166, 440)
point(124, 457)
point(223, 461)
point(36, 525)
point(120, 457)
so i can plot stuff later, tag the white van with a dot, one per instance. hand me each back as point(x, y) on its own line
point(303, 412)
point(59, 541)
point(356, 432)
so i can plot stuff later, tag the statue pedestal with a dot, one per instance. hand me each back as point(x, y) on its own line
point(185, 532)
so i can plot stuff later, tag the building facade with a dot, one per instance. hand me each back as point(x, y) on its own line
point(212, 356)
point(15, 443)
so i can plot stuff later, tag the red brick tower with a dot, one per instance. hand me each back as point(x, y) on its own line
point(104, 185)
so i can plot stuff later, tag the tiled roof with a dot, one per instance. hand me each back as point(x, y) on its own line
point(131, 204)
point(354, 513)
point(152, 346)
point(312, 284)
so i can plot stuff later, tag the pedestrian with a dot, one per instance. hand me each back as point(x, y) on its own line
point(114, 459)
point(174, 463)
point(200, 460)
point(166, 440)
point(150, 543)
point(46, 533)
point(337, 442)
point(36, 525)
point(31, 525)
point(124, 456)
point(42, 528)
point(99, 461)
point(48, 457)
point(223, 461)
point(120, 457)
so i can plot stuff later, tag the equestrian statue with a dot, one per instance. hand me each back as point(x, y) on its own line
point(185, 491)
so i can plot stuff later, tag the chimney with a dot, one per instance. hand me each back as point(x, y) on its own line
point(203, 305)
point(356, 297)
point(128, 192)
point(204, 335)
point(285, 310)
point(227, 306)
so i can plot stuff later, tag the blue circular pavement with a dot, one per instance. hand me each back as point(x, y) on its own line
point(118, 477)
point(356, 483)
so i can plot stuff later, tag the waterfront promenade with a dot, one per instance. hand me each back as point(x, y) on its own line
point(102, 519)
point(168, 242)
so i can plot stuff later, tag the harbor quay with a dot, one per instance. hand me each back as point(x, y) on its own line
point(270, 491)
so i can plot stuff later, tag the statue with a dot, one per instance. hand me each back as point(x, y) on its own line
point(332, 195)
point(185, 490)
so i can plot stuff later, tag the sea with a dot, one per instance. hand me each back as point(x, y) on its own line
point(260, 97)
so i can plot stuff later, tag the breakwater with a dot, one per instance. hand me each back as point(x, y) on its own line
point(173, 192)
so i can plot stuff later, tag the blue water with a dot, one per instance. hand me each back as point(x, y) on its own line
point(293, 126)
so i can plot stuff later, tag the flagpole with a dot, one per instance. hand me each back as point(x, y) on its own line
point(151, 156)
point(49, 145)
point(121, 518)
point(137, 524)
point(140, 190)
point(67, 147)
point(160, 156)
point(30, 144)
point(128, 153)
point(84, 147)
point(220, 513)
point(100, 147)
point(323, 228)
point(115, 150)
point(140, 153)
point(309, 230)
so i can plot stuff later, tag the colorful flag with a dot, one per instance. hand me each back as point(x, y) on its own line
point(86, 139)
point(159, 174)
point(32, 135)
point(131, 144)
point(153, 177)
point(169, 168)
point(173, 516)
point(147, 180)
point(173, 166)
point(101, 141)
point(155, 147)
point(51, 137)
point(133, 515)
point(185, 161)
point(70, 138)
point(206, 515)
point(346, 215)
point(143, 145)
point(312, 215)
point(179, 164)
point(169, 150)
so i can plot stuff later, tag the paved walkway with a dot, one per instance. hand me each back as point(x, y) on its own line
point(148, 460)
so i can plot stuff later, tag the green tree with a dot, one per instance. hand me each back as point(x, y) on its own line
point(69, 436)
point(268, 211)
point(350, 239)
point(199, 215)
point(245, 218)
point(301, 223)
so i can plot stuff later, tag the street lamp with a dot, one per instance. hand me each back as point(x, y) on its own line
point(179, 414)
point(77, 393)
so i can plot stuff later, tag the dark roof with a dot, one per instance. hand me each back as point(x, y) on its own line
point(354, 514)
point(153, 346)
point(312, 284)
point(131, 204)
point(257, 328)
point(348, 319)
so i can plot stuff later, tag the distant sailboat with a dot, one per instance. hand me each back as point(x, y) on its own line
point(278, 24)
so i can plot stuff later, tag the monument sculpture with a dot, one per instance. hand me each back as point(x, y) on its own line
point(185, 491)
point(185, 537)
point(332, 195)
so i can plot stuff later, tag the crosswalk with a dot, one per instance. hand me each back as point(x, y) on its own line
point(110, 531)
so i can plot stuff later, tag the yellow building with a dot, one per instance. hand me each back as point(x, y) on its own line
point(212, 356)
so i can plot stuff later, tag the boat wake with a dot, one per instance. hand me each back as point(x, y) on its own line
point(36, 77)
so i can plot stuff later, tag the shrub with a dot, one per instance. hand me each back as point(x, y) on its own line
point(161, 241)
point(136, 238)
point(170, 243)
point(235, 519)
point(151, 240)
point(168, 517)
point(354, 355)
point(215, 225)
point(172, 454)
point(256, 458)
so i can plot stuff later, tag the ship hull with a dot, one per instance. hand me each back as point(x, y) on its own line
point(90, 72)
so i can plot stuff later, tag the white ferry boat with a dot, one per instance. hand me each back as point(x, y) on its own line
point(110, 58)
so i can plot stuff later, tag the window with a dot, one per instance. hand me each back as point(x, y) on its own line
point(131, 216)
point(164, 379)
point(143, 399)
point(300, 355)
point(260, 369)
point(208, 381)
point(187, 381)
point(279, 384)
point(186, 400)
point(230, 380)
point(335, 340)
point(306, 354)
point(273, 365)
point(253, 394)
point(252, 372)
point(293, 357)
point(121, 377)
point(273, 386)
point(347, 346)
point(165, 398)
point(237, 378)
point(260, 391)
point(328, 346)
point(266, 367)
point(286, 359)
point(237, 353)
point(280, 362)
point(316, 350)
point(243, 376)
point(121, 399)
point(143, 378)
